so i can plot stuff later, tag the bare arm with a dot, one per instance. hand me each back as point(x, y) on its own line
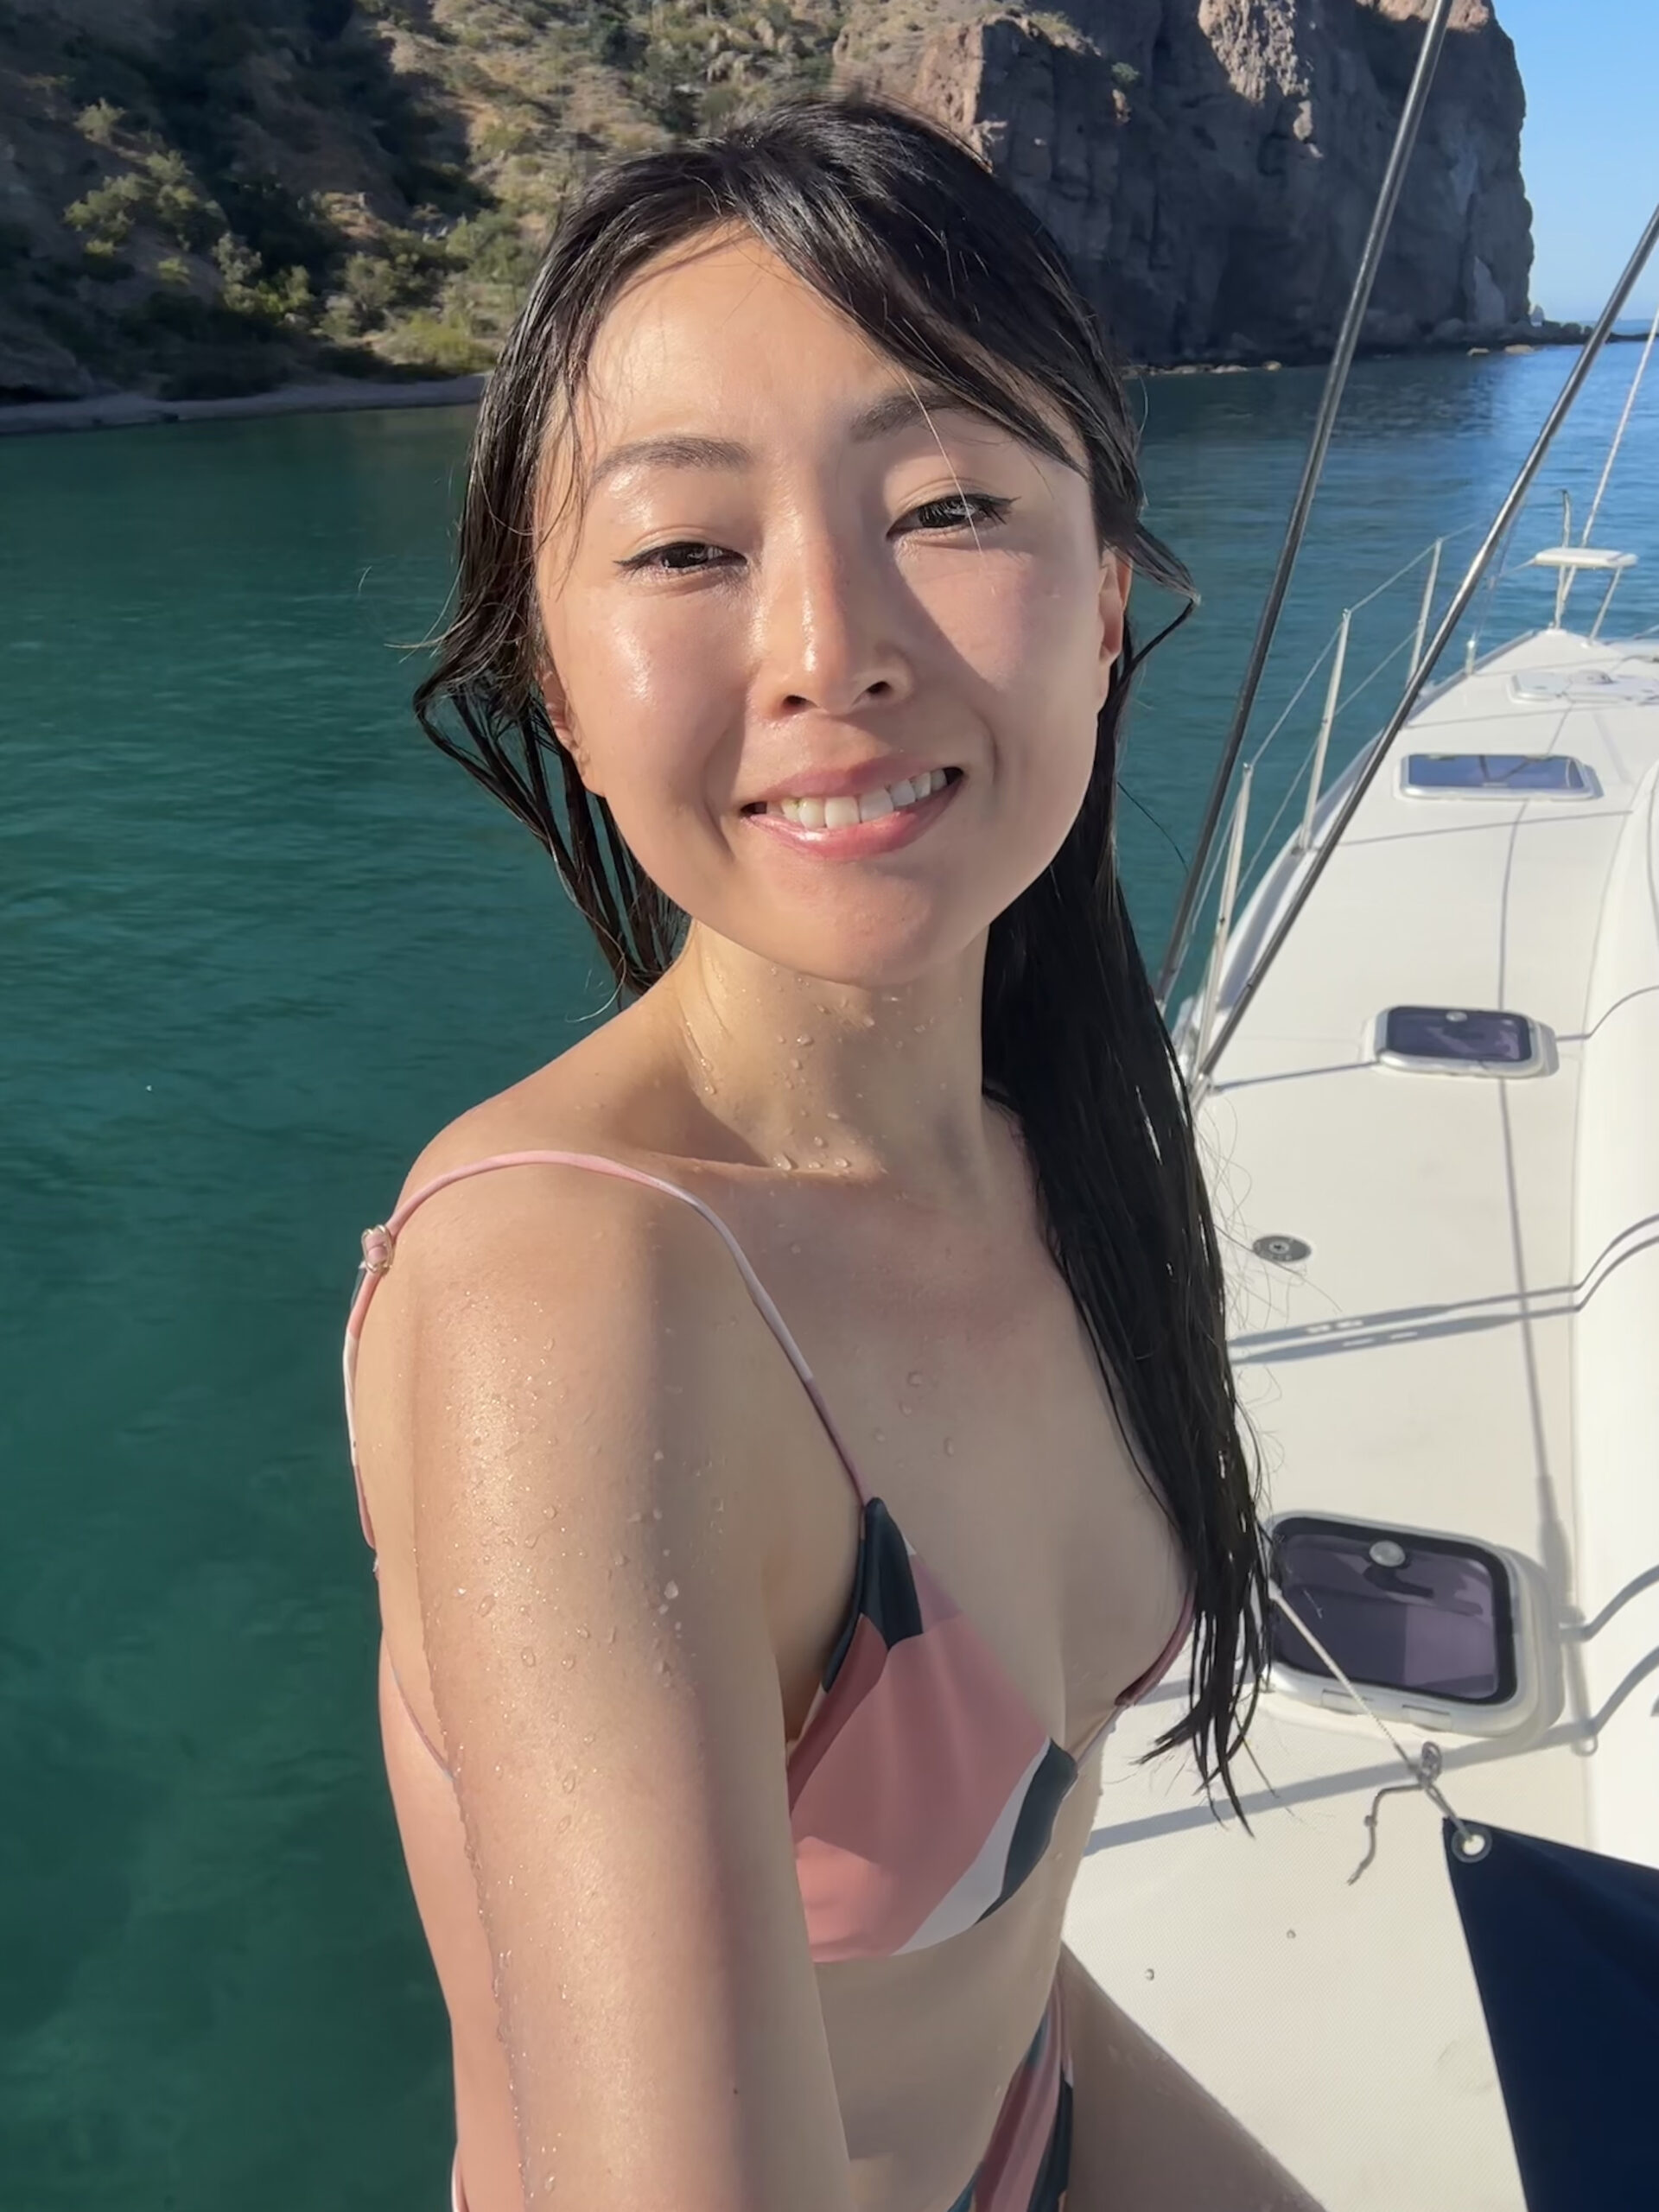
point(592, 1601)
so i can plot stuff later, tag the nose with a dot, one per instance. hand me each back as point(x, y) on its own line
point(830, 619)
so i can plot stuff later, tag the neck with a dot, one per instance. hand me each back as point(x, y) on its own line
point(836, 1080)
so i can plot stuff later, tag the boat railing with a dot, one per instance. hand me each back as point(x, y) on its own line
point(1240, 873)
point(1199, 1040)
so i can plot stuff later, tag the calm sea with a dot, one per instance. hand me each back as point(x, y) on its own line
point(259, 942)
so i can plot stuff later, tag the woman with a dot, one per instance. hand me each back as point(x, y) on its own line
point(743, 1727)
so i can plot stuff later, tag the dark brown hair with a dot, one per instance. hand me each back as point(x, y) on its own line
point(901, 228)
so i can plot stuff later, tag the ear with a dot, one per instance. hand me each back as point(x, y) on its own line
point(564, 728)
point(1116, 577)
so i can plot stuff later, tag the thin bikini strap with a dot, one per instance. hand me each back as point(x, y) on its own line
point(379, 1243)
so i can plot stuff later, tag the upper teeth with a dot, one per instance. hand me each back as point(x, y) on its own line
point(841, 813)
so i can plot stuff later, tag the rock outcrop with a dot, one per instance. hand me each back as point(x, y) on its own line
point(1209, 166)
point(201, 199)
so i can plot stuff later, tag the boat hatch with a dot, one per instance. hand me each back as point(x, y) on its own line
point(1584, 687)
point(1427, 1622)
point(1503, 775)
point(1461, 1040)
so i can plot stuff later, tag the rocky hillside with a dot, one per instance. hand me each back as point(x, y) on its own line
point(1209, 166)
point(201, 197)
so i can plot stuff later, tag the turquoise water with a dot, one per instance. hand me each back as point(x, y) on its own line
point(258, 941)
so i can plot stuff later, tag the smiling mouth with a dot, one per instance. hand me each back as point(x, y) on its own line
point(842, 811)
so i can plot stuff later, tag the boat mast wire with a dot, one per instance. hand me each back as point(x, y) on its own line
point(1443, 636)
point(1569, 576)
point(1313, 468)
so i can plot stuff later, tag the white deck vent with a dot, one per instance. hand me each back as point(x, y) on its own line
point(1497, 775)
point(1461, 1040)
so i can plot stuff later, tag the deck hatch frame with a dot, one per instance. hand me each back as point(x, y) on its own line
point(1404, 1036)
point(1553, 777)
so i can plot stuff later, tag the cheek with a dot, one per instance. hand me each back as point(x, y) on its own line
point(1028, 641)
point(653, 692)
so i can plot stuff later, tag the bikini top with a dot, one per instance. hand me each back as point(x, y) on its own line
point(923, 1790)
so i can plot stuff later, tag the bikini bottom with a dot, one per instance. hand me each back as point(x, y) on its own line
point(1029, 2156)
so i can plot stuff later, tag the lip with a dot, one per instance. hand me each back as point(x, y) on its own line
point(852, 782)
point(860, 840)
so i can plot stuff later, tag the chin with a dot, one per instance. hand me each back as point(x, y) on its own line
point(868, 959)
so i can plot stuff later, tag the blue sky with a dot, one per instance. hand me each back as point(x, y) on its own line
point(1590, 152)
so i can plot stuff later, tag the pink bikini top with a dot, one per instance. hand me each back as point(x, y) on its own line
point(922, 1788)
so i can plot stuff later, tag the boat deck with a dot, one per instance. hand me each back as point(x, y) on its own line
point(1471, 1347)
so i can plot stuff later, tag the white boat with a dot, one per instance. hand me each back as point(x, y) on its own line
point(1425, 1058)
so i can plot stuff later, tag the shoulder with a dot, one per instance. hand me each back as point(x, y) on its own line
point(532, 1196)
point(521, 1288)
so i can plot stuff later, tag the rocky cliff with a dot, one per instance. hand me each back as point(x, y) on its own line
point(201, 197)
point(1209, 166)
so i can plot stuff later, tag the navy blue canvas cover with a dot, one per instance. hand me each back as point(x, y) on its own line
point(1565, 1946)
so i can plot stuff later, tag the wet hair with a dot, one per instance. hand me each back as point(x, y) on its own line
point(903, 229)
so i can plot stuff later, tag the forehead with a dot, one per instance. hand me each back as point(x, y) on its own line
point(719, 333)
point(717, 320)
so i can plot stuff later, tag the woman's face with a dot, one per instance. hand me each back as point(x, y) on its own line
point(786, 580)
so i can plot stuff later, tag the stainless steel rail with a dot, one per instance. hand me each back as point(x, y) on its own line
point(1336, 378)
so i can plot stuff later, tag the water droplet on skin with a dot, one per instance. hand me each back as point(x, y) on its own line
point(611, 1638)
point(794, 1063)
point(584, 1632)
point(547, 1512)
point(782, 1159)
point(655, 1512)
point(840, 1162)
point(794, 1248)
point(662, 1666)
point(820, 1141)
point(881, 1435)
point(486, 1604)
point(532, 1539)
point(903, 1407)
point(802, 1040)
point(528, 1657)
point(950, 1448)
point(567, 1661)
point(565, 1822)
point(568, 1782)
point(670, 1591)
point(618, 1559)
point(869, 1021)
point(914, 1378)
point(656, 1455)
point(830, 1116)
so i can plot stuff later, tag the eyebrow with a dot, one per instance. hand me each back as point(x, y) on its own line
point(894, 411)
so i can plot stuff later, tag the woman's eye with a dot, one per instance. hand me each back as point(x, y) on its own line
point(963, 511)
point(662, 558)
point(686, 557)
